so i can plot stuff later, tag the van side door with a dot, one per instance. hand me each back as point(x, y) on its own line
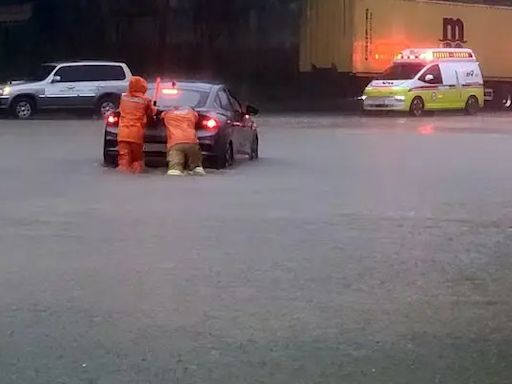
point(471, 82)
point(433, 91)
point(452, 87)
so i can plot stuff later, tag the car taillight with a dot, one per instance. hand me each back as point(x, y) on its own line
point(112, 120)
point(209, 124)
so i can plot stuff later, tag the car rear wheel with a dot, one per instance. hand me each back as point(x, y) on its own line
point(254, 149)
point(109, 160)
point(227, 158)
point(108, 105)
point(417, 107)
point(472, 106)
point(23, 108)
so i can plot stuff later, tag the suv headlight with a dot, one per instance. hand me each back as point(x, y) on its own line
point(400, 98)
point(5, 91)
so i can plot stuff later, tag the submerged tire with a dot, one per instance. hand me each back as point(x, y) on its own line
point(226, 158)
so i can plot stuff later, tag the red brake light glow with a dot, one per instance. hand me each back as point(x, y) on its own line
point(112, 119)
point(209, 123)
point(426, 130)
point(170, 91)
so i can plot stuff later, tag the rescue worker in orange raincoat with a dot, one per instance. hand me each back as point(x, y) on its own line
point(135, 110)
point(183, 151)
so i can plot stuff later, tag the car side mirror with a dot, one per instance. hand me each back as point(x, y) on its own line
point(252, 110)
point(429, 78)
point(56, 79)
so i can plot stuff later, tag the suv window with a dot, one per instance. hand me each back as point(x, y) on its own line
point(104, 72)
point(70, 74)
point(435, 71)
point(224, 101)
point(75, 73)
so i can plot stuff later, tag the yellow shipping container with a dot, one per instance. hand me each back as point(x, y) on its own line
point(363, 36)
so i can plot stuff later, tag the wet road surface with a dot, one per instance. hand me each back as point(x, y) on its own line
point(356, 250)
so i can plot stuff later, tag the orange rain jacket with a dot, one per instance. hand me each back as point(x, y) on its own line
point(135, 110)
point(181, 126)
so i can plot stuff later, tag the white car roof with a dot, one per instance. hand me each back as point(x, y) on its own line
point(87, 62)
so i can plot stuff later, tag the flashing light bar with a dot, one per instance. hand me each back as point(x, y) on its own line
point(401, 56)
point(436, 55)
point(453, 55)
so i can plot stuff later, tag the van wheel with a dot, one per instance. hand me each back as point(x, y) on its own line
point(472, 106)
point(417, 107)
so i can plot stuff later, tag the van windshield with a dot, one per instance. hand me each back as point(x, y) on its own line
point(402, 71)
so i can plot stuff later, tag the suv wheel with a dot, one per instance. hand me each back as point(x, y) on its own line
point(107, 105)
point(23, 108)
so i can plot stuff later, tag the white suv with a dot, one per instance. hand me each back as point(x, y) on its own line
point(85, 84)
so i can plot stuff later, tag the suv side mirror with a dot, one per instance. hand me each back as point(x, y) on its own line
point(55, 79)
point(252, 110)
point(429, 78)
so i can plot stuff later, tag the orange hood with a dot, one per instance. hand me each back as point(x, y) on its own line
point(138, 86)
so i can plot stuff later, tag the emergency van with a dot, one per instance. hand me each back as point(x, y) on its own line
point(427, 80)
point(344, 44)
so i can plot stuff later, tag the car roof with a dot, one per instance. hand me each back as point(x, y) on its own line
point(81, 62)
point(190, 85)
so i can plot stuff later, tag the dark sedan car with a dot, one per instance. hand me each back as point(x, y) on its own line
point(224, 129)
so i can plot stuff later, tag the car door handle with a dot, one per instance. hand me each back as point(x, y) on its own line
point(70, 87)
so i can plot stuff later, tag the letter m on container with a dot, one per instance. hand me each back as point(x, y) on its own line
point(453, 33)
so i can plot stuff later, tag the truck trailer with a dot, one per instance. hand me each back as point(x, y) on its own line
point(359, 39)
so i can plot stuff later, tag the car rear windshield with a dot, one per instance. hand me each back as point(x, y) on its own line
point(182, 98)
point(402, 71)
